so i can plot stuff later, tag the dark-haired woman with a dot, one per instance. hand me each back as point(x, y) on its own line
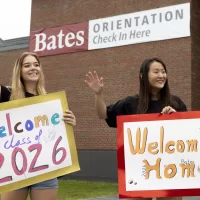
point(154, 96)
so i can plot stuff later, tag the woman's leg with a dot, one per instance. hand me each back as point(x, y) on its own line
point(21, 194)
point(50, 194)
point(44, 190)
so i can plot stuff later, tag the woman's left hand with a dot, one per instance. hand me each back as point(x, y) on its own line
point(69, 118)
point(168, 110)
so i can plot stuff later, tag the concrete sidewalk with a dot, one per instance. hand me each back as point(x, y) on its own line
point(116, 197)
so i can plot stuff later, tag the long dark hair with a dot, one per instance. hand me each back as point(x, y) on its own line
point(144, 92)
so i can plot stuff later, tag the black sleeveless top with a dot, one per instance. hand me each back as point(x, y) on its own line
point(6, 92)
point(128, 106)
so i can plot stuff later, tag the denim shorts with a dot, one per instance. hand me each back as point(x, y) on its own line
point(48, 184)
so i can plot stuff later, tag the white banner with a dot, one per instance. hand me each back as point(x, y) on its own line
point(33, 141)
point(162, 155)
point(145, 26)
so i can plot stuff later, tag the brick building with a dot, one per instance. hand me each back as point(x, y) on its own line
point(119, 66)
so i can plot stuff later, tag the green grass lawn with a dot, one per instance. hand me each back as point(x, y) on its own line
point(69, 189)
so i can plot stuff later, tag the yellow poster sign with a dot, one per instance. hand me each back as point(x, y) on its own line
point(35, 143)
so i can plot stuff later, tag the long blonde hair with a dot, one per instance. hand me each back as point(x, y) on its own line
point(17, 85)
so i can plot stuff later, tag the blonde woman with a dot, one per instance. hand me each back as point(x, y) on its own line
point(28, 81)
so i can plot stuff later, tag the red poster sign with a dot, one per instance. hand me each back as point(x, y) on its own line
point(158, 155)
point(59, 40)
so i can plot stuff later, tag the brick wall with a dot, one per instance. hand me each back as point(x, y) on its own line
point(195, 29)
point(119, 66)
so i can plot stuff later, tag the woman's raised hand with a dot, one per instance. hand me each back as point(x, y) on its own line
point(94, 82)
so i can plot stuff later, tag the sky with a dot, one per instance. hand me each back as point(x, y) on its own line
point(15, 18)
